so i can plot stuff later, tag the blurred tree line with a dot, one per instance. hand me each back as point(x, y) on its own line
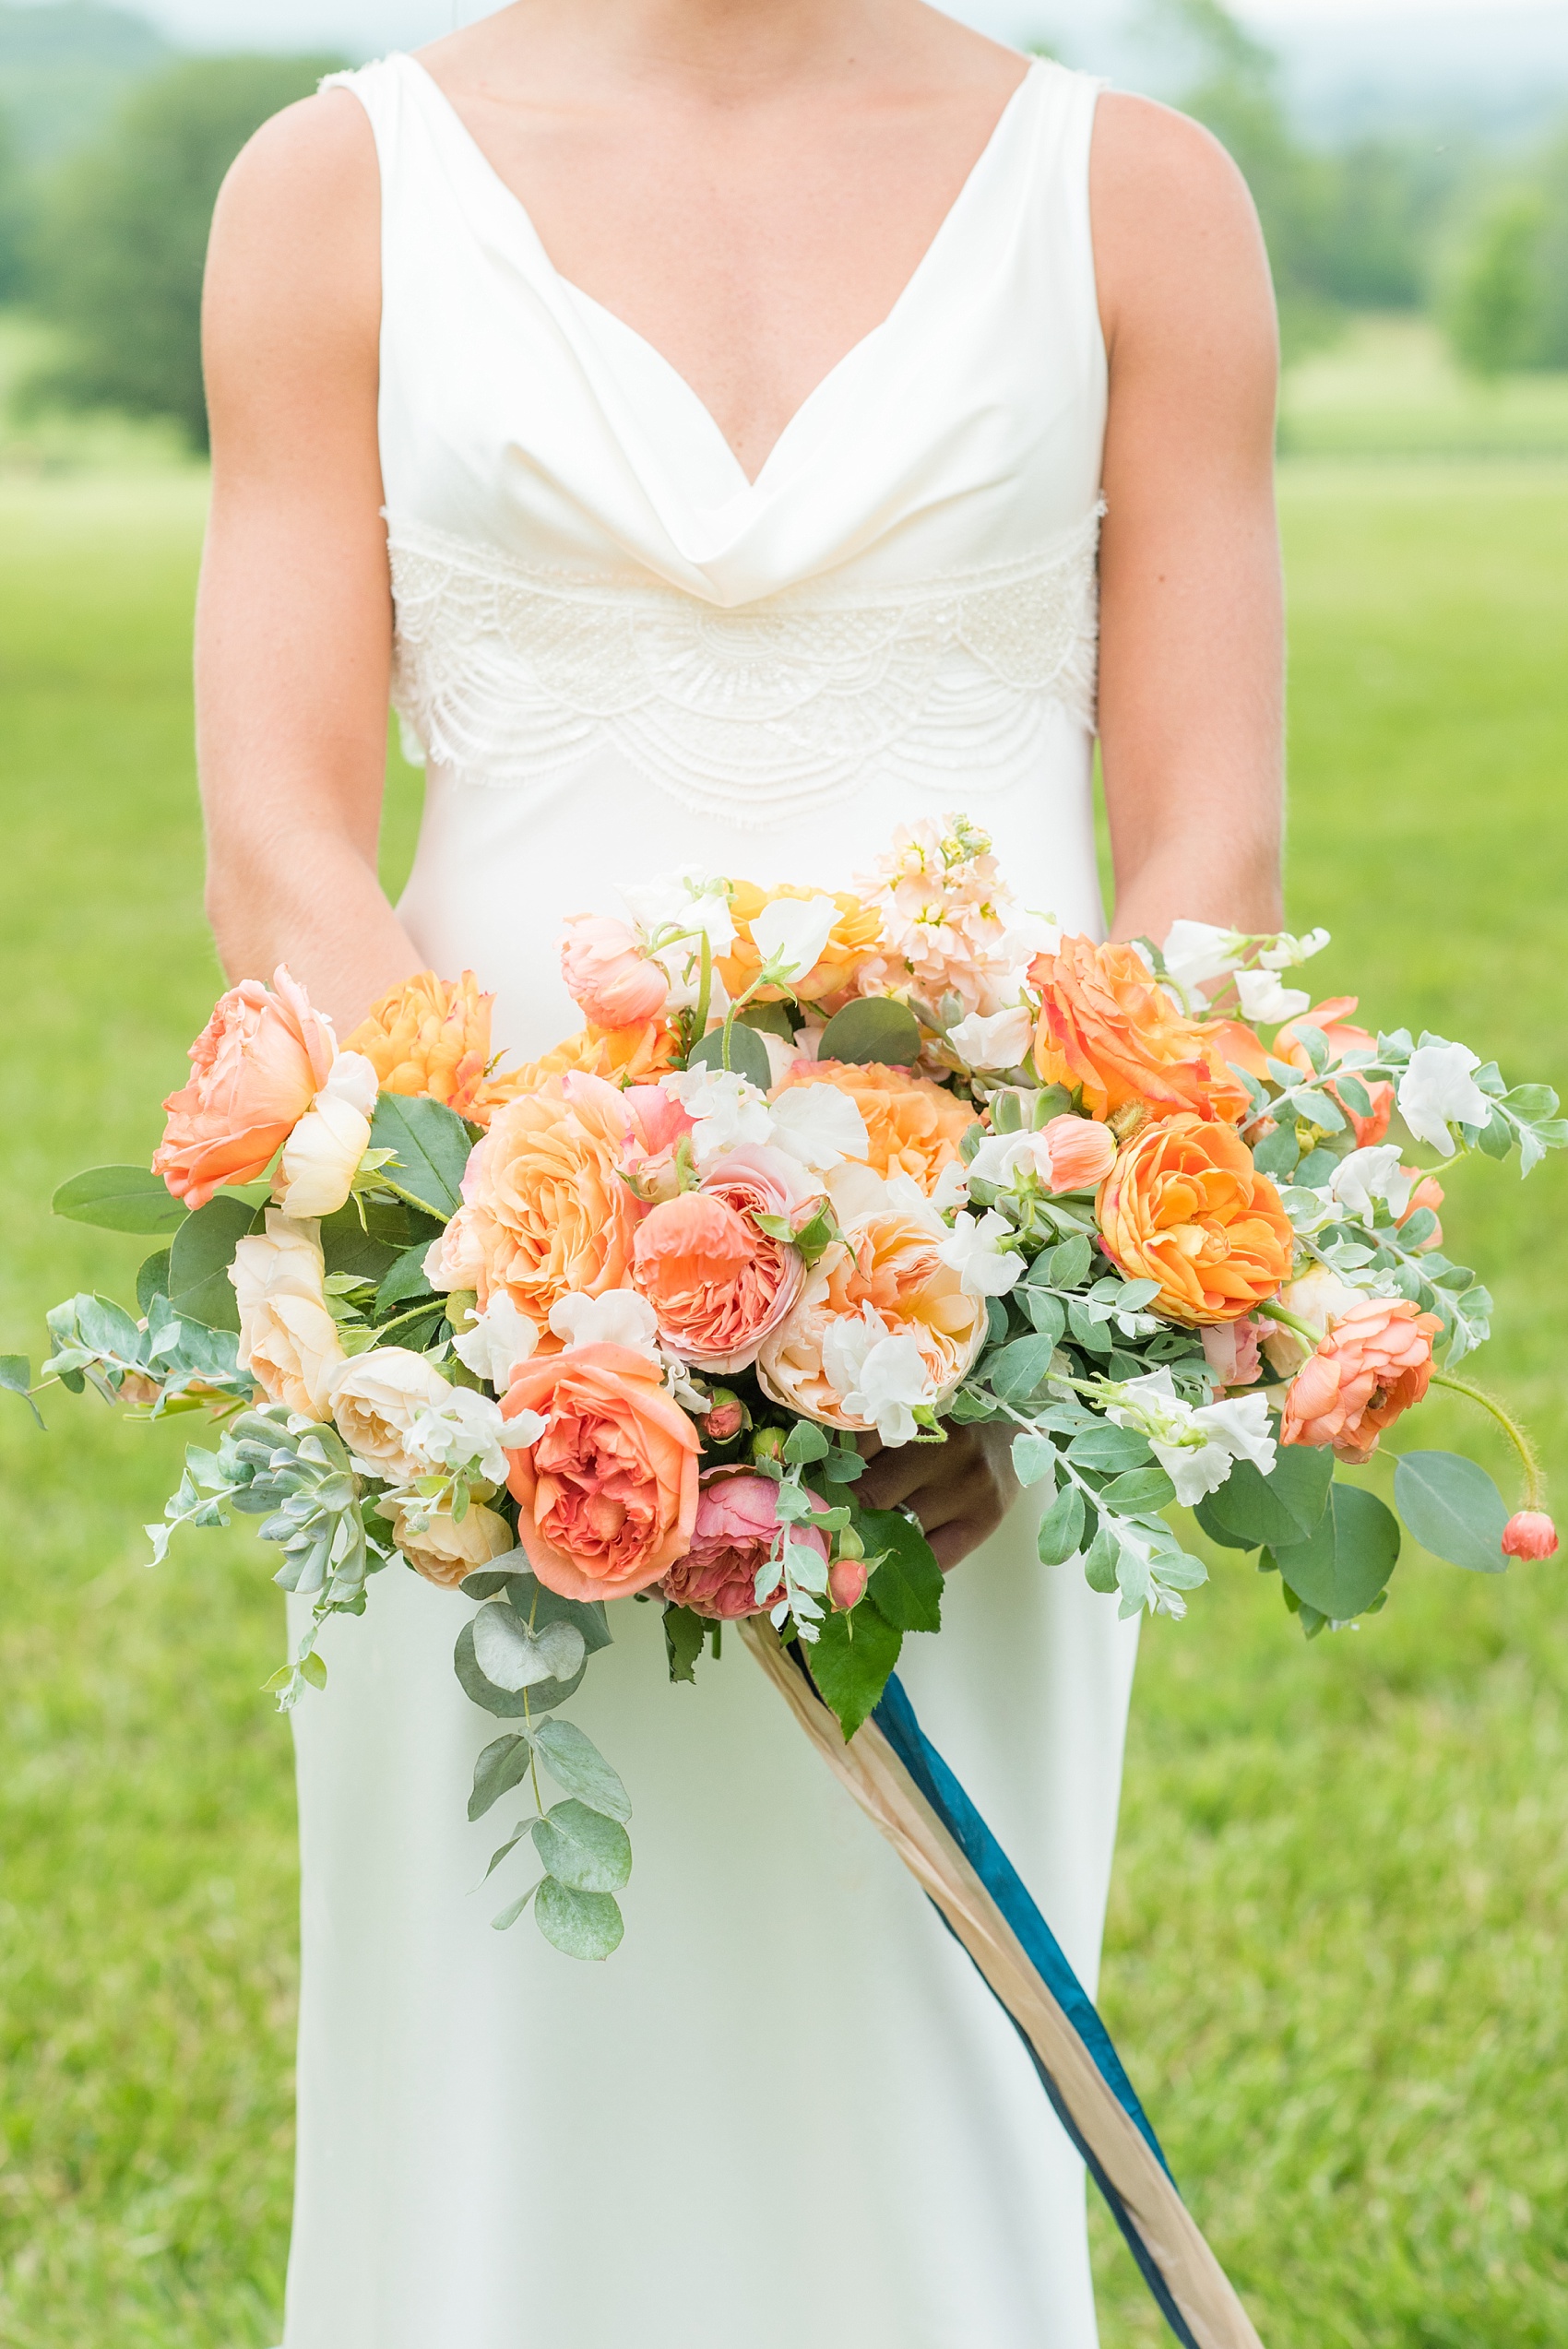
point(106, 245)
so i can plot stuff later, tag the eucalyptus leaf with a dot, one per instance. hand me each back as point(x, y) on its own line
point(1069, 1262)
point(1343, 1565)
point(536, 1607)
point(512, 1657)
point(153, 1278)
point(748, 1055)
point(575, 1761)
point(499, 1767)
point(1279, 1509)
point(1278, 1153)
point(540, 1697)
point(1453, 1508)
point(1047, 1312)
point(874, 1028)
point(16, 1377)
point(1018, 1369)
point(582, 1848)
point(581, 1925)
point(120, 1199)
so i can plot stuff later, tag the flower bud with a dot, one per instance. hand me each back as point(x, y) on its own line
point(768, 1443)
point(1529, 1534)
point(726, 1418)
point(845, 1584)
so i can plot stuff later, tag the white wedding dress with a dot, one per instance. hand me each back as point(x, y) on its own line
point(787, 2115)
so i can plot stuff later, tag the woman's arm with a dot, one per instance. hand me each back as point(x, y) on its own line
point(1192, 626)
point(294, 617)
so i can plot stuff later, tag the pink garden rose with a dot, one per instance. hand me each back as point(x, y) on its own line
point(611, 979)
point(718, 1283)
point(736, 1532)
point(256, 1065)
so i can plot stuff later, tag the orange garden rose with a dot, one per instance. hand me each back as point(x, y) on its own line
point(718, 1284)
point(1106, 1025)
point(607, 1496)
point(913, 1127)
point(621, 1055)
point(1374, 1365)
point(1340, 1036)
point(888, 1261)
point(853, 938)
point(430, 1037)
point(1185, 1207)
point(257, 1067)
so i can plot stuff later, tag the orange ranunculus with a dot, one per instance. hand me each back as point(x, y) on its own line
point(607, 1496)
point(854, 936)
point(718, 1284)
point(913, 1126)
point(622, 1055)
point(430, 1036)
point(544, 1209)
point(1105, 1024)
point(1185, 1207)
point(258, 1065)
point(1374, 1365)
point(1340, 1036)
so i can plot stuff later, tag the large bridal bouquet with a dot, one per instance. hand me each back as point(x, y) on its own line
point(819, 1168)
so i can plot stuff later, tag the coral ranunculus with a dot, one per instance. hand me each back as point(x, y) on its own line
point(430, 1037)
point(853, 937)
point(630, 1055)
point(1374, 1365)
point(717, 1282)
point(1340, 1036)
point(257, 1066)
point(736, 1533)
point(1107, 1024)
point(607, 1496)
point(1185, 1207)
point(607, 975)
point(913, 1127)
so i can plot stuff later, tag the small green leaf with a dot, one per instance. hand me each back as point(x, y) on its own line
point(1453, 1508)
point(908, 1584)
point(1101, 1560)
point(584, 1849)
point(872, 1029)
point(152, 1279)
point(748, 1055)
point(1110, 1449)
point(581, 1925)
point(1278, 1153)
point(805, 1442)
point(404, 1282)
point(120, 1199)
point(1138, 1491)
point(536, 1607)
point(1062, 1528)
point(1019, 1368)
point(1281, 1508)
point(432, 1145)
point(200, 1258)
point(1034, 1458)
point(499, 1767)
point(1070, 1262)
point(851, 1662)
point(313, 1667)
point(543, 1696)
point(16, 1377)
point(1221, 1534)
point(575, 1761)
point(685, 1634)
point(1343, 1565)
point(1047, 1312)
point(510, 1916)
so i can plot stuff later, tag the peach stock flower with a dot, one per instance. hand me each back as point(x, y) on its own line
point(852, 938)
point(735, 1533)
point(718, 1284)
point(913, 1126)
point(608, 976)
point(257, 1067)
point(607, 1496)
point(1185, 1207)
point(430, 1036)
point(1340, 1036)
point(1374, 1365)
point(1106, 1025)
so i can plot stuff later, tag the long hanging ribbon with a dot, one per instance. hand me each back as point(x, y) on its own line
point(907, 1790)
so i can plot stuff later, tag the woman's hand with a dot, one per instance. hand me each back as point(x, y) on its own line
point(960, 1490)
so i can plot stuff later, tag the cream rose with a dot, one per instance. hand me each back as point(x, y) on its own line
point(375, 1401)
point(287, 1339)
point(446, 1550)
point(321, 1158)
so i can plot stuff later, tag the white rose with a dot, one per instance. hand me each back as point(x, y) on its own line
point(1438, 1086)
point(377, 1399)
point(288, 1341)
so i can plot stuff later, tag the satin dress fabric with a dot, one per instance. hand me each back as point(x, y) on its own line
point(786, 2111)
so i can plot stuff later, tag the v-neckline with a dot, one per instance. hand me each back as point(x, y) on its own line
point(751, 483)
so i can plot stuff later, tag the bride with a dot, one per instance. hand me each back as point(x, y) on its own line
point(697, 415)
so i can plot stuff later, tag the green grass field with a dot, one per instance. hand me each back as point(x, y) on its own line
point(1336, 1957)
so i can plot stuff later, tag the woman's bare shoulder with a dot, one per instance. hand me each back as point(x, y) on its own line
point(298, 217)
point(1174, 222)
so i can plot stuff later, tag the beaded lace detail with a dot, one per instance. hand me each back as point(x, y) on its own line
point(505, 676)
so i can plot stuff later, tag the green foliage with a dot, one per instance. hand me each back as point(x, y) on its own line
point(747, 1054)
point(65, 67)
point(1494, 310)
point(1453, 1508)
point(122, 238)
point(431, 1145)
point(875, 1030)
point(120, 1199)
point(850, 1663)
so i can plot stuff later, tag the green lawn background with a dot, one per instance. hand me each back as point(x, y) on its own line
point(1336, 1957)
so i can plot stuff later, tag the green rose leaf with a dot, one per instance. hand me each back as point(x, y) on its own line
point(575, 1761)
point(405, 1281)
point(432, 1145)
point(748, 1055)
point(120, 1199)
point(1279, 1509)
point(1342, 1566)
point(582, 1848)
point(685, 1634)
point(199, 1257)
point(581, 1925)
point(851, 1662)
point(499, 1767)
point(907, 1585)
point(1062, 1528)
point(1453, 1508)
point(874, 1028)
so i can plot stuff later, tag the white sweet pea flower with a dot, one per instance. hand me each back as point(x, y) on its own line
point(818, 1126)
point(1002, 1157)
point(980, 1252)
point(496, 1341)
point(1264, 999)
point(1286, 952)
point(879, 1378)
point(999, 1042)
point(1196, 952)
point(466, 1430)
point(1438, 1086)
point(791, 932)
point(619, 1317)
point(952, 1187)
point(352, 1078)
point(687, 900)
point(1364, 1177)
point(728, 1110)
point(1198, 1445)
point(681, 965)
point(782, 1054)
point(321, 1158)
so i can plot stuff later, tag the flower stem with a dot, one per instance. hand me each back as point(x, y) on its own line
point(1276, 1313)
point(1535, 1483)
point(704, 991)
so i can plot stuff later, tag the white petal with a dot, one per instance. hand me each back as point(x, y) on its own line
point(791, 932)
point(1365, 1176)
point(352, 1078)
point(618, 1318)
point(999, 1042)
point(1438, 1086)
point(1263, 998)
point(1197, 951)
point(819, 1126)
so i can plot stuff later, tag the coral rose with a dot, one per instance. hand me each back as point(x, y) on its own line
point(607, 1496)
point(718, 1283)
point(1105, 1024)
point(853, 937)
point(1340, 1036)
point(737, 1531)
point(1185, 1207)
point(448, 1548)
point(913, 1126)
point(607, 975)
point(431, 1037)
point(288, 1341)
point(1374, 1365)
point(257, 1066)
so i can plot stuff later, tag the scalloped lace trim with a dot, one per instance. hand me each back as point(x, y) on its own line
point(505, 676)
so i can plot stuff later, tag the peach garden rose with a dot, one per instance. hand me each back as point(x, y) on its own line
point(256, 1068)
point(913, 1126)
point(717, 1281)
point(431, 1037)
point(1107, 1024)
